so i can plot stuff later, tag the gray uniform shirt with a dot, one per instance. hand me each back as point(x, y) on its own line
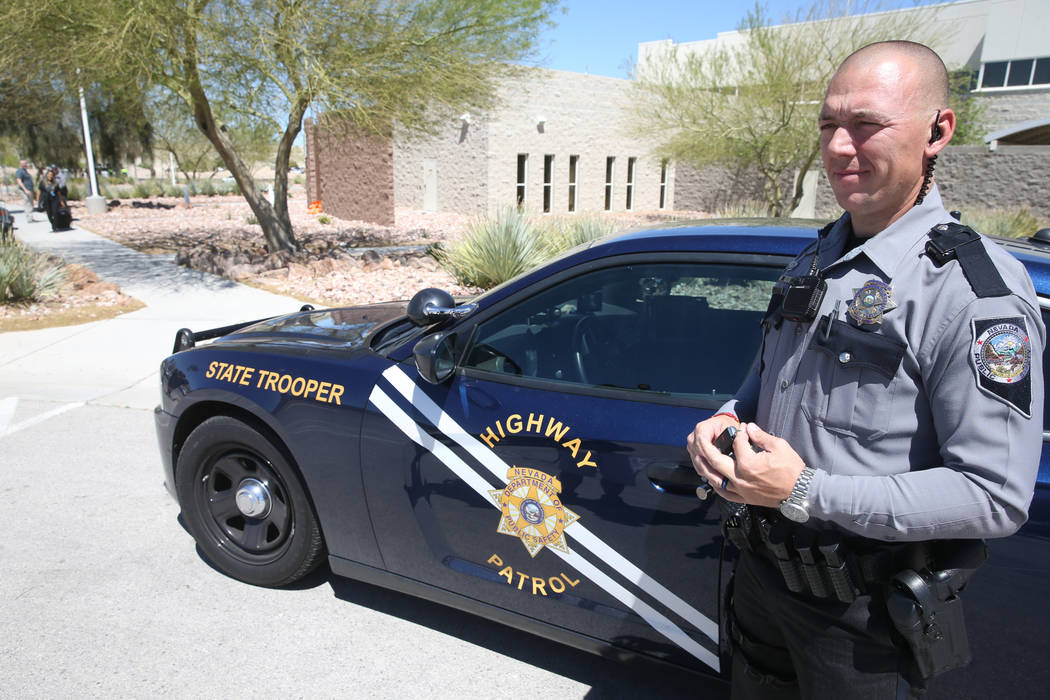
point(915, 431)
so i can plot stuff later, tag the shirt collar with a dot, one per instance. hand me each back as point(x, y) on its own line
point(889, 247)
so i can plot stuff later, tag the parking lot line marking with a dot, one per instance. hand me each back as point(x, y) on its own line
point(7, 412)
point(29, 422)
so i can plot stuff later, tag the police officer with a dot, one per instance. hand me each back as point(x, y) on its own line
point(895, 408)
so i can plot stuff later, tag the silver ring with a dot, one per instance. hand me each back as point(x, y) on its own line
point(725, 480)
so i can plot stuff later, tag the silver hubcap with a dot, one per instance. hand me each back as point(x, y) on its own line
point(253, 499)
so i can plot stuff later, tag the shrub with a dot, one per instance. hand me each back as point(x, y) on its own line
point(496, 249)
point(26, 275)
point(77, 190)
point(142, 190)
point(743, 209)
point(324, 219)
point(1011, 223)
point(579, 230)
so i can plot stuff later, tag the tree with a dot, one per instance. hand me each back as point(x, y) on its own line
point(372, 62)
point(175, 132)
point(753, 103)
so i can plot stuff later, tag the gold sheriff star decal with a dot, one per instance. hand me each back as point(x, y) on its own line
point(531, 510)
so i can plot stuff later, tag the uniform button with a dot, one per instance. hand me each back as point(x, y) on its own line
point(845, 357)
point(783, 385)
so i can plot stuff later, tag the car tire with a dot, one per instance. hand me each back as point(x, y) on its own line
point(245, 505)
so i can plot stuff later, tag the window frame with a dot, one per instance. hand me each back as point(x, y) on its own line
point(574, 173)
point(632, 166)
point(610, 181)
point(548, 183)
point(521, 175)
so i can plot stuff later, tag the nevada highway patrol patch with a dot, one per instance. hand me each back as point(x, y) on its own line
point(1002, 355)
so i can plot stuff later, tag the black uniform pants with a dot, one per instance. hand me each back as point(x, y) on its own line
point(796, 646)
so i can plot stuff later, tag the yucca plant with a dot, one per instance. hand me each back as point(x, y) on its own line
point(26, 275)
point(1011, 223)
point(583, 229)
point(496, 249)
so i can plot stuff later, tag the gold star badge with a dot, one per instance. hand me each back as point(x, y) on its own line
point(531, 510)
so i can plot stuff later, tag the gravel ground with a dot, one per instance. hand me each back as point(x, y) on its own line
point(342, 263)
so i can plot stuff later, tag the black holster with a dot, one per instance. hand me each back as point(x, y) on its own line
point(927, 611)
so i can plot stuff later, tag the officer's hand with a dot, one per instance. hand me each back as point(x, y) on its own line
point(762, 478)
point(707, 460)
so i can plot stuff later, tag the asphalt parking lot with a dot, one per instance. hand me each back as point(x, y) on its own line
point(102, 592)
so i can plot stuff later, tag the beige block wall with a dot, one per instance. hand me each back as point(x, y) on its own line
point(459, 151)
point(583, 115)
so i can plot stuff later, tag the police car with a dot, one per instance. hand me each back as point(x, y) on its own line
point(521, 456)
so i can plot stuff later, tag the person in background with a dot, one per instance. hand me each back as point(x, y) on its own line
point(52, 200)
point(25, 186)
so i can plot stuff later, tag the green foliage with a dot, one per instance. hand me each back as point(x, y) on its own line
point(575, 231)
point(324, 219)
point(1010, 223)
point(971, 120)
point(753, 103)
point(26, 275)
point(245, 73)
point(495, 250)
point(744, 209)
point(142, 190)
point(77, 190)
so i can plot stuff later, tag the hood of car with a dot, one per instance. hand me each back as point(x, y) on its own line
point(344, 327)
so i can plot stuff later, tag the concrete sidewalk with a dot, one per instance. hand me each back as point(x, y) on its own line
point(116, 361)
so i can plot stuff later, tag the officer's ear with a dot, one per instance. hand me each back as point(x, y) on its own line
point(941, 131)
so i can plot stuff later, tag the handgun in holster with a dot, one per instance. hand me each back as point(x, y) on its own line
point(926, 609)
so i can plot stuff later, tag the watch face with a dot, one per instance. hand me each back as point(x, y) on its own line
point(794, 511)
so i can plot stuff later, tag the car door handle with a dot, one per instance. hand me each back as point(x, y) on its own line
point(680, 479)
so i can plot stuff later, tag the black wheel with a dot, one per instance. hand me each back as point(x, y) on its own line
point(245, 505)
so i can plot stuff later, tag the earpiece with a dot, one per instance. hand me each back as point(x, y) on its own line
point(935, 131)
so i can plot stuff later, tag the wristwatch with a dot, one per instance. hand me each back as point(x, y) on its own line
point(796, 506)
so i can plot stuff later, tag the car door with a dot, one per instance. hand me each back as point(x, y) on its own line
point(548, 476)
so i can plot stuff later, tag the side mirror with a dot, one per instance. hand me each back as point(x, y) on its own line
point(429, 306)
point(435, 359)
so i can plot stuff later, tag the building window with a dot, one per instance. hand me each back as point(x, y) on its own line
point(630, 183)
point(1020, 72)
point(574, 165)
point(663, 184)
point(523, 169)
point(548, 182)
point(1041, 74)
point(610, 171)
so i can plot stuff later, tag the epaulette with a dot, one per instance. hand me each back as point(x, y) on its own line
point(954, 241)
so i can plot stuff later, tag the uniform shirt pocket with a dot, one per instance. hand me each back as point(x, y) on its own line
point(849, 379)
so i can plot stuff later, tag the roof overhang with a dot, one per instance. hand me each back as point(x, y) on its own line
point(1034, 132)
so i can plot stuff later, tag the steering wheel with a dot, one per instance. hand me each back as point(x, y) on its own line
point(584, 339)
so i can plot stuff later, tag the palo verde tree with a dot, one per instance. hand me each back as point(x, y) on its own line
point(371, 62)
point(752, 101)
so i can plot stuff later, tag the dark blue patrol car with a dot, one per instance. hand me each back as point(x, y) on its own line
point(522, 456)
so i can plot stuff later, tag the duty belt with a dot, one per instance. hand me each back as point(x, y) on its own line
point(824, 563)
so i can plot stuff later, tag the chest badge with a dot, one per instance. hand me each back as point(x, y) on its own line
point(531, 510)
point(870, 302)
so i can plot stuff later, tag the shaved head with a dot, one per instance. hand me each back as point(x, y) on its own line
point(929, 90)
point(884, 119)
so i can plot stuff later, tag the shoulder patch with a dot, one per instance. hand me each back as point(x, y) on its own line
point(1002, 356)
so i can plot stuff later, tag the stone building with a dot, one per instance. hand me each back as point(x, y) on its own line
point(560, 143)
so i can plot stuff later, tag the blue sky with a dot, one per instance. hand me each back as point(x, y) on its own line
point(601, 36)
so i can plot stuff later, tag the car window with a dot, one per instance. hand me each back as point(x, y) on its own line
point(681, 328)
